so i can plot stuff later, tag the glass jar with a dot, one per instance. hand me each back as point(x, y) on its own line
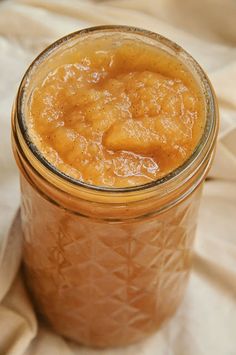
point(107, 266)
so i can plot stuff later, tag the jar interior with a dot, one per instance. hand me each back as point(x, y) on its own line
point(51, 58)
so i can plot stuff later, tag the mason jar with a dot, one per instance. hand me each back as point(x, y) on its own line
point(107, 266)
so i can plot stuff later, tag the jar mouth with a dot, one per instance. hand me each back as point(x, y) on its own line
point(204, 146)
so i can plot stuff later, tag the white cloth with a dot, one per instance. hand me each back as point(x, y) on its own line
point(205, 324)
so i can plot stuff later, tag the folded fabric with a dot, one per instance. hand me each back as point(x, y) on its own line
point(206, 321)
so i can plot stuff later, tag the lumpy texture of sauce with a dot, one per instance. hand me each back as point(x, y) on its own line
point(116, 114)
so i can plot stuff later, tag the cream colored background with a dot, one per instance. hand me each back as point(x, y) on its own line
point(206, 322)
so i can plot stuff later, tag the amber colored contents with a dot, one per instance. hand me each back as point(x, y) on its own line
point(106, 284)
point(116, 114)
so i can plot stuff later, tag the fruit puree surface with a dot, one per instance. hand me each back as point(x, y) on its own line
point(116, 113)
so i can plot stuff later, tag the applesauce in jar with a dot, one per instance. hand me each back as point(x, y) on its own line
point(116, 114)
point(114, 130)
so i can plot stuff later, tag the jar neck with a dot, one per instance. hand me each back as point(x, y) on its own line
point(115, 206)
point(157, 196)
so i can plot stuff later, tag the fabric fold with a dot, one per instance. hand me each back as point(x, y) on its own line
point(206, 321)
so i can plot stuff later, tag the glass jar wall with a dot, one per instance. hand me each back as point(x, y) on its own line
point(107, 266)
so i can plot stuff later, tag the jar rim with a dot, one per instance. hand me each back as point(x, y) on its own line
point(206, 142)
